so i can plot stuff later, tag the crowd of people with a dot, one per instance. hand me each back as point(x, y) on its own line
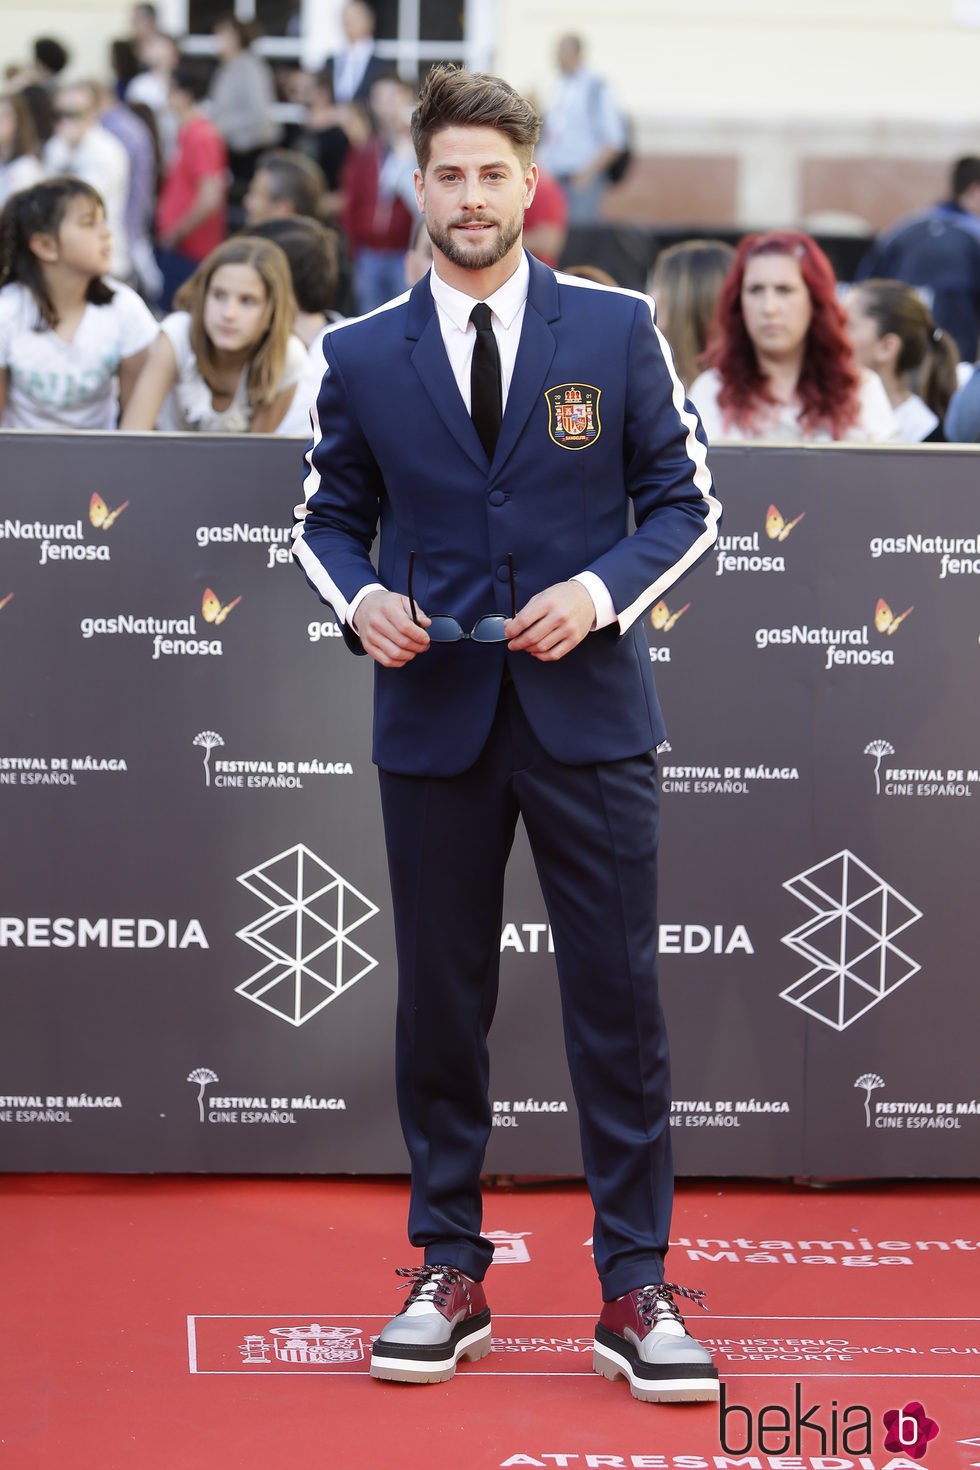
point(171, 254)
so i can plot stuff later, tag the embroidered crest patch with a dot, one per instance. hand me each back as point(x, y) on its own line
point(573, 414)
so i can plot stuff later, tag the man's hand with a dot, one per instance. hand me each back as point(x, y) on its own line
point(383, 623)
point(552, 623)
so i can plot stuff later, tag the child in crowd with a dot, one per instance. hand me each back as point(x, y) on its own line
point(227, 361)
point(895, 336)
point(72, 341)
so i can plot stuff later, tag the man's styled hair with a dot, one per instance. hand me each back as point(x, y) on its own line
point(454, 98)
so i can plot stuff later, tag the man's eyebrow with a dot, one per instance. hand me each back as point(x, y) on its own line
point(498, 163)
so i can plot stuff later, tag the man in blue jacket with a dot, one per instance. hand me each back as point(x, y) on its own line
point(498, 423)
point(938, 251)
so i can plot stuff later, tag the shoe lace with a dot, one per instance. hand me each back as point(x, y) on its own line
point(654, 1302)
point(431, 1283)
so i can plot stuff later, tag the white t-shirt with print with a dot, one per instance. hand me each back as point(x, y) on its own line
point(54, 384)
point(188, 405)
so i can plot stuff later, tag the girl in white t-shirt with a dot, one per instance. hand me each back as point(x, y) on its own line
point(72, 341)
point(227, 362)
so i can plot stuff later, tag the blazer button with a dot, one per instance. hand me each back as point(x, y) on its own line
point(497, 497)
point(503, 574)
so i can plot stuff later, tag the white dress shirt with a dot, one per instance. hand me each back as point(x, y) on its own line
point(506, 305)
point(349, 67)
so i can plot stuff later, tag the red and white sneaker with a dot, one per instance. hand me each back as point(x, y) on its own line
point(445, 1318)
point(641, 1337)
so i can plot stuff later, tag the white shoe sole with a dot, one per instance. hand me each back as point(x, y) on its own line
point(655, 1388)
point(395, 1363)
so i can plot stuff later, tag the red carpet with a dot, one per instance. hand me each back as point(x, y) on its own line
point(209, 1322)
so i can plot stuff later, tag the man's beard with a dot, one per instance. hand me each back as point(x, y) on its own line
point(508, 233)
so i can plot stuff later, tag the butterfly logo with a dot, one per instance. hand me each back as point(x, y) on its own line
point(100, 515)
point(211, 609)
point(885, 620)
point(663, 619)
point(776, 528)
point(5, 600)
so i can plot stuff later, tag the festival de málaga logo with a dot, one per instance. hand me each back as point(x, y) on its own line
point(868, 1082)
point(265, 771)
point(923, 780)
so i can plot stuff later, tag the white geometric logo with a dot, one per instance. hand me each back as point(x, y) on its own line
point(849, 939)
point(312, 912)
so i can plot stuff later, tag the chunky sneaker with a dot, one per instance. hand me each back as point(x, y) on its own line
point(641, 1337)
point(445, 1318)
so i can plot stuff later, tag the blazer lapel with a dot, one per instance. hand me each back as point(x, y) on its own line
point(535, 353)
point(432, 365)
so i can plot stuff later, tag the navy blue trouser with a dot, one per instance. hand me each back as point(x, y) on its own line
point(593, 834)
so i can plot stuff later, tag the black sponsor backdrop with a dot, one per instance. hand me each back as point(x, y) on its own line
point(761, 1085)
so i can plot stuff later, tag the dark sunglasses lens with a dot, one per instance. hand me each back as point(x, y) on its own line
point(444, 629)
point(490, 630)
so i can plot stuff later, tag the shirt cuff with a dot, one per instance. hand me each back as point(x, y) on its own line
point(358, 598)
point(605, 612)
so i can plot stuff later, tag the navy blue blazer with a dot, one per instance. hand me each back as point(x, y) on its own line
point(596, 426)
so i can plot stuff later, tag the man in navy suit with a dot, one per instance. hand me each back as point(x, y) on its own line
point(353, 70)
point(498, 423)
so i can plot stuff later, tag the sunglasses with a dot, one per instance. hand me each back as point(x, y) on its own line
point(445, 629)
point(68, 114)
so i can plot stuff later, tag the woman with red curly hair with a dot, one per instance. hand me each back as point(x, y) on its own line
point(780, 361)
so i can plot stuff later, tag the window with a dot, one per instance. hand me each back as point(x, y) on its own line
point(411, 33)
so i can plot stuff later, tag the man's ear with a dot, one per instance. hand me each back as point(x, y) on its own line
point(45, 247)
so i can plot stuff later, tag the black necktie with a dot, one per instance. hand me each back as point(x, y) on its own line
point(486, 398)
